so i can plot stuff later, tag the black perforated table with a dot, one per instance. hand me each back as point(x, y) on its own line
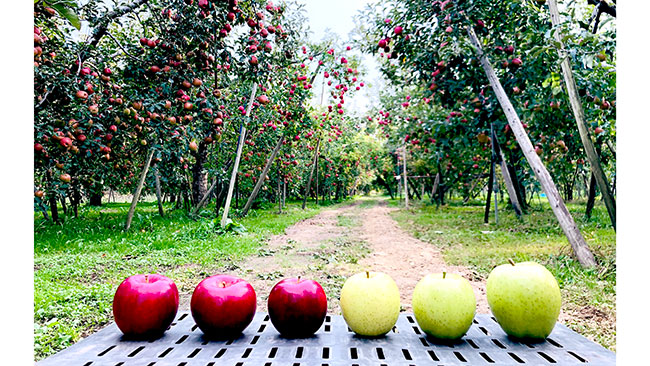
point(334, 344)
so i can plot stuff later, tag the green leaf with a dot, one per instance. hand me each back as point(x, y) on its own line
point(65, 9)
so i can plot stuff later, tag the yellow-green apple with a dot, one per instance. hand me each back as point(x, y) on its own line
point(444, 305)
point(524, 298)
point(370, 303)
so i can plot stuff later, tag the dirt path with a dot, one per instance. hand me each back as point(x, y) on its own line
point(340, 242)
point(407, 259)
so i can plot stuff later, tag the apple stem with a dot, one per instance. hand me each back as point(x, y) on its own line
point(146, 278)
point(367, 274)
point(444, 274)
point(298, 279)
point(511, 261)
point(223, 284)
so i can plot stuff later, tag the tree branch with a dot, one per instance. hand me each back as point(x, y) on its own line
point(106, 20)
point(122, 47)
point(604, 7)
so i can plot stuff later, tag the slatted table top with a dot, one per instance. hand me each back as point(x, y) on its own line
point(334, 344)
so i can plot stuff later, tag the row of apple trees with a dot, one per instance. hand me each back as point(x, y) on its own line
point(165, 88)
point(444, 109)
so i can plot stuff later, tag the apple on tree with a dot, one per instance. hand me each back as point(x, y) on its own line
point(223, 306)
point(370, 303)
point(444, 305)
point(297, 307)
point(524, 298)
point(145, 305)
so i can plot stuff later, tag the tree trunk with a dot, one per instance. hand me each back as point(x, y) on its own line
point(578, 112)
point(262, 177)
point(158, 198)
point(136, 194)
point(424, 181)
point(240, 146)
point(311, 174)
point(52, 202)
point(414, 190)
point(436, 183)
point(519, 188)
point(592, 196)
point(199, 175)
point(76, 198)
point(64, 207)
point(512, 193)
point(383, 182)
point(578, 243)
point(205, 197)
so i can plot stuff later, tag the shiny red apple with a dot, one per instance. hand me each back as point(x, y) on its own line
point(223, 306)
point(297, 307)
point(145, 305)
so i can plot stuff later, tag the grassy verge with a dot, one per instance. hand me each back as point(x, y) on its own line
point(589, 295)
point(78, 265)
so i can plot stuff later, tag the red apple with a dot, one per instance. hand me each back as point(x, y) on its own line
point(263, 99)
point(65, 142)
point(81, 94)
point(223, 306)
point(193, 146)
point(145, 305)
point(297, 307)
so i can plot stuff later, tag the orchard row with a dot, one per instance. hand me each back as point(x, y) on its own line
point(187, 83)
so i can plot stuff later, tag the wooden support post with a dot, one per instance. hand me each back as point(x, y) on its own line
point(568, 225)
point(138, 190)
point(406, 189)
point(205, 197)
point(279, 191)
point(158, 195)
point(496, 201)
point(578, 112)
point(399, 188)
point(235, 168)
point(317, 179)
point(311, 174)
point(284, 192)
point(262, 178)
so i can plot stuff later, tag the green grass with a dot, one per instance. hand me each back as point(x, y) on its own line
point(79, 264)
point(459, 232)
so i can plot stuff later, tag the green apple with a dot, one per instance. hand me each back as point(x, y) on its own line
point(370, 303)
point(524, 298)
point(444, 305)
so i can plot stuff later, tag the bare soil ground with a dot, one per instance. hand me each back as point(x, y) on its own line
point(407, 259)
